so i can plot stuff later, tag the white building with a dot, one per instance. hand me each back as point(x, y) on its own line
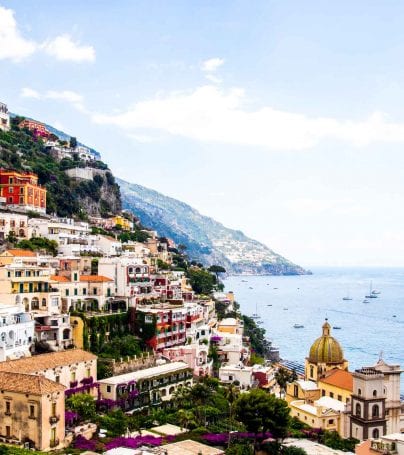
point(143, 388)
point(240, 373)
point(17, 223)
point(4, 117)
point(72, 236)
point(16, 332)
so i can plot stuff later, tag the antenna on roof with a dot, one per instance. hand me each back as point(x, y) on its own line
point(381, 354)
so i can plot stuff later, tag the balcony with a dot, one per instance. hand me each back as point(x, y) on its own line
point(54, 419)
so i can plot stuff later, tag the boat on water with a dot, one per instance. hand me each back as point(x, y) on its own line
point(371, 294)
point(376, 292)
point(286, 309)
point(336, 327)
point(269, 304)
point(256, 315)
point(347, 298)
point(260, 322)
point(250, 287)
point(366, 301)
point(298, 326)
point(275, 288)
point(244, 281)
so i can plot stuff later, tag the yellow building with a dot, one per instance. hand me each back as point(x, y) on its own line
point(337, 384)
point(32, 410)
point(122, 223)
point(322, 399)
point(325, 354)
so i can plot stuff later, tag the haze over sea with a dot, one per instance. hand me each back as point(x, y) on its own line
point(367, 329)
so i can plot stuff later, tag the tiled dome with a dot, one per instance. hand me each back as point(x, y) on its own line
point(326, 349)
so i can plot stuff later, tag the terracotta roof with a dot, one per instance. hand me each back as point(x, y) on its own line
point(339, 378)
point(95, 278)
point(21, 253)
point(42, 362)
point(26, 383)
point(60, 279)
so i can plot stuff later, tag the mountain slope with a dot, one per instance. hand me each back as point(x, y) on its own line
point(206, 240)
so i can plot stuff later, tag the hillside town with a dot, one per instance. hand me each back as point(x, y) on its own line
point(113, 341)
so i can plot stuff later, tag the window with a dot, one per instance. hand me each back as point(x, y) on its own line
point(94, 291)
point(375, 433)
point(84, 291)
point(10, 189)
point(311, 371)
point(295, 391)
point(331, 422)
point(108, 388)
point(72, 376)
point(75, 276)
point(375, 410)
point(75, 291)
point(32, 411)
point(53, 410)
point(67, 293)
point(339, 398)
point(331, 395)
point(359, 392)
point(8, 408)
point(57, 379)
point(8, 431)
point(358, 409)
point(323, 393)
point(11, 180)
point(375, 393)
point(88, 372)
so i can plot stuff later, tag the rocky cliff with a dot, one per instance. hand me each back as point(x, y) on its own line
point(206, 240)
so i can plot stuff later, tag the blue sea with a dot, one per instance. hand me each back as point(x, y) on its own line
point(367, 331)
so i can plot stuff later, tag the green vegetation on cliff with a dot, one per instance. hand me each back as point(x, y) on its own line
point(66, 197)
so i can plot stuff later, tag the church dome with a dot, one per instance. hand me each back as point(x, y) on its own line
point(326, 349)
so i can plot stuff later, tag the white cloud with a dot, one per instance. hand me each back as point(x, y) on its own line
point(12, 45)
point(211, 65)
point(73, 98)
point(15, 47)
point(211, 114)
point(64, 48)
point(27, 92)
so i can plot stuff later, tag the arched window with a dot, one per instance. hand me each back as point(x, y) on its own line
point(359, 392)
point(311, 371)
point(358, 409)
point(375, 393)
point(375, 410)
point(375, 433)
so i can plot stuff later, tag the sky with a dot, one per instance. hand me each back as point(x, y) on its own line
point(284, 119)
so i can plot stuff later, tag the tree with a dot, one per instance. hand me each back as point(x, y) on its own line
point(231, 394)
point(186, 418)
point(260, 412)
point(201, 280)
point(83, 404)
point(283, 377)
point(216, 269)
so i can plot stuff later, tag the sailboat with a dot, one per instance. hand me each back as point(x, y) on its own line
point(371, 294)
point(347, 297)
point(256, 315)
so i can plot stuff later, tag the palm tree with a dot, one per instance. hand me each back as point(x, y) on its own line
point(283, 377)
point(185, 418)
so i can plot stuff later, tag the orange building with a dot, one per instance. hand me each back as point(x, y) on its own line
point(21, 191)
point(38, 128)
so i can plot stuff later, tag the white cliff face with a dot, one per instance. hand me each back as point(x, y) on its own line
point(207, 240)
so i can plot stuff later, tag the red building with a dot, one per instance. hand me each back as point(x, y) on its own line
point(21, 191)
point(37, 128)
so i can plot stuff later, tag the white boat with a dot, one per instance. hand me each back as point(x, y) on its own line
point(371, 295)
point(376, 292)
point(365, 301)
point(347, 298)
point(298, 326)
point(256, 315)
point(336, 327)
point(286, 309)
